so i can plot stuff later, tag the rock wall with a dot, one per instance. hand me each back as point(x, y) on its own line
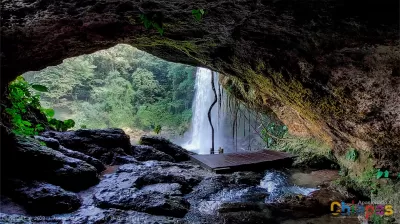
point(328, 68)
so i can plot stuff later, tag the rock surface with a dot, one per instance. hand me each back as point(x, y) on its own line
point(325, 68)
point(165, 146)
point(145, 153)
point(40, 198)
point(166, 192)
point(29, 160)
point(54, 144)
point(103, 144)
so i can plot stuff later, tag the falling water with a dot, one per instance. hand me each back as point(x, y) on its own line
point(200, 132)
point(198, 138)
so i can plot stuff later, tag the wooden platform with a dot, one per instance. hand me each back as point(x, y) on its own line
point(244, 161)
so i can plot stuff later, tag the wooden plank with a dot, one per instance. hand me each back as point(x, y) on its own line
point(229, 162)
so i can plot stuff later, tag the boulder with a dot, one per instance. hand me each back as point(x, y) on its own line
point(102, 144)
point(145, 153)
point(54, 144)
point(245, 212)
point(144, 201)
point(39, 198)
point(50, 142)
point(165, 146)
point(164, 188)
point(27, 159)
point(78, 155)
point(248, 178)
point(186, 181)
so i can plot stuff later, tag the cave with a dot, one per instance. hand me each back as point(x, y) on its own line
point(327, 69)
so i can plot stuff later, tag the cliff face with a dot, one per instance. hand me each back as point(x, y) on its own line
point(327, 68)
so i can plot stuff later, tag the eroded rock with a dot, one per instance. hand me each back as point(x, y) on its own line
point(165, 146)
point(102, 144)
point(150, 202)
point(41, 198)
point(145, 153)
point(29, 160)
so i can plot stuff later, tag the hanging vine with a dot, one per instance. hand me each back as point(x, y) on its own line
point(209, 113)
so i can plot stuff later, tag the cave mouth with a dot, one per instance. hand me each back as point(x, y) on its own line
point(120, 87)
point(126, 88)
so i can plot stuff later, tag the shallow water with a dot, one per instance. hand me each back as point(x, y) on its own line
point(274, 185)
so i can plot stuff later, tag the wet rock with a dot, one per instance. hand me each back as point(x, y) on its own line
point(240, 206)
point(145, 153)
point(316, 204)
point(118, 216)
point(165, 146)
point(164, 188)
point(244, 212)
point(150, 202)
point(41, 198)
point(29, 160)
point(186, 181)
point(248, 178)
point(54, 144)
point(207, 187)
point(50, 142)
point(102, 144)
point(78, 155)
point(119, 160)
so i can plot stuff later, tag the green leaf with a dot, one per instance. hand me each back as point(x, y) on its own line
point(386, 174)
point(197, 14)
point(48, 112)
point(39, 88)
point(27, 123)
point(379, 174)
point(69, 123)
point(202, 11)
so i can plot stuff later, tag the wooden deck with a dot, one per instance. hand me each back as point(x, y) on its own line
point(244, 161)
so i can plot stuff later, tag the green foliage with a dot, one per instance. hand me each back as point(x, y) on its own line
point(352, 155)
point(40, 88)
point(48, 112)
point(22, 101)
point(198, 14)
point(157, 129)
point(153, 21)
point(272, 132)
point(62, 125)
point(119, 87)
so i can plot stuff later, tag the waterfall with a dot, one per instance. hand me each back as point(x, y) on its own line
point(199, 135)
point(200, 131)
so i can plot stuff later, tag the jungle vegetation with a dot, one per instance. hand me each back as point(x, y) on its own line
point(119, 87)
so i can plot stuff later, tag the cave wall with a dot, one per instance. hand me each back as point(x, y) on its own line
point(327, 68)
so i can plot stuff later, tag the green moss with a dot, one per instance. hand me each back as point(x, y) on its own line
point(187, 47)
point(310, 152)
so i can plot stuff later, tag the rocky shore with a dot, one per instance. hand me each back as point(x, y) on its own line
point(66, 177)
